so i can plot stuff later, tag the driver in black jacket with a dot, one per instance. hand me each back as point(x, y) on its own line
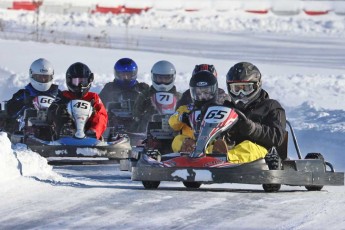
point(262, 120)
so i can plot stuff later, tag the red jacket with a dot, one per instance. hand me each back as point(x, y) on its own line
point(99, 119)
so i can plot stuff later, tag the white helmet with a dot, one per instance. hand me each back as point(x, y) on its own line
point(163, 75)
point(41, 74)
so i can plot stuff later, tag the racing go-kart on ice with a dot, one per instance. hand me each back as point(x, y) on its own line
point(159, 135)
point(72, 141)
point(198, 168)
point(121, 118)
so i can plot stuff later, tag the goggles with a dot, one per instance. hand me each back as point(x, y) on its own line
point(245, 88)
point(80, 80)
point(163, 78)
point(42, 78)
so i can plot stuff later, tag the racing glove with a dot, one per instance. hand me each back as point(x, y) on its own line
point(28, 100)
point(246, 126)
point(90, 133)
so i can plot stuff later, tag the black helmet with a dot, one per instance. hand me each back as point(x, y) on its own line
point(244, 84)
point(79, 78)
point(203, 88)
point(206, 67)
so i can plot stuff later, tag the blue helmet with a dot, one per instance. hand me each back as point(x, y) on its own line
point(125, 72)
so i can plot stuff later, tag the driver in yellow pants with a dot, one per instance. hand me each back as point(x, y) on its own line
point(261, 123)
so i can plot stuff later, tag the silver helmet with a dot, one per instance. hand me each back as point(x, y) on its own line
point(163, 74)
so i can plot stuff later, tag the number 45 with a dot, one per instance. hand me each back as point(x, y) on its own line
point(81, 105)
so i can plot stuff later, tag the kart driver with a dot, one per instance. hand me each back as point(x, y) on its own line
point(262, 120)
point(186, 97)
point(203, 89)
point(163, 74)
point(41, 84)
point(124, 87)
point(79, 78)
point(261, 123)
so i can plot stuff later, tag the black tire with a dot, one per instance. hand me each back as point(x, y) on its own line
point(151, 184)
point(271, 187)
point(273, 162)
point(314, 156)
point(191, 184)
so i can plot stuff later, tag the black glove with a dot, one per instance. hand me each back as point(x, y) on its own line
point(90, 133)
point(184, 117)
point(28, 100)
point(62, 110)
point(57, 114)
point(245, 126)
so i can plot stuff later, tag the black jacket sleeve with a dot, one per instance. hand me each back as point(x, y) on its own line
point(106, 93)
point(17, 103)
point(268, 125)
point(270, 129)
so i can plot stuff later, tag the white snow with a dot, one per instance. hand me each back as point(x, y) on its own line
point(302, 60)
point(90, 152)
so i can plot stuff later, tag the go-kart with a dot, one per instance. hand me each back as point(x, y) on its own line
point(159, 135)
point(197, 167)
point(72, 141)
point(121, 119)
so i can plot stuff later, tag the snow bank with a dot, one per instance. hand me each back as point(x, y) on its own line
point(20, 161)
point(33, 165)
point(9, 164)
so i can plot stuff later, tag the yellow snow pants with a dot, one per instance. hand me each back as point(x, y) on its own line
point(177, 142)
point(246, 151)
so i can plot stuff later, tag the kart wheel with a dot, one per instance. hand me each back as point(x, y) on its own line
point(151, 184)
point(314, 156)
point(192, 184)
point(271, 187)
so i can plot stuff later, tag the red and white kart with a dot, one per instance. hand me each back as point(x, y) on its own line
point(199, 168)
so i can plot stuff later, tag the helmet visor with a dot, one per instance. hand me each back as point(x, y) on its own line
point(126, 76)
point(245, 88)
point(41, 78)
point(203, 93)
point(80, 81)
point(163, 78)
